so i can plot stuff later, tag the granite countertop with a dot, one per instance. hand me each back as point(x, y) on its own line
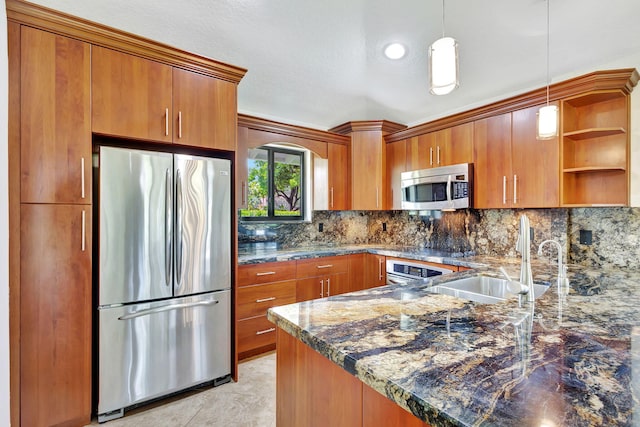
point(567, 362)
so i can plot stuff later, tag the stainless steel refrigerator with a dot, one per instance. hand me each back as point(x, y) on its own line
point(164, 298)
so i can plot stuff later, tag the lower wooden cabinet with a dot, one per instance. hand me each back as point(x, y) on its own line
point(375, 271)
point(55, 315)
point(313, 391)
point(322, 277)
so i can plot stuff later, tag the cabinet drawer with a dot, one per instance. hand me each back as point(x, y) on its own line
point(255, 333)
point(322, 266)
point(255, 300)
point(264, 273)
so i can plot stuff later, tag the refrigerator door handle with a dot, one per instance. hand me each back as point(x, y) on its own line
point(168, 222)
point(170, 307)
point(179, 219)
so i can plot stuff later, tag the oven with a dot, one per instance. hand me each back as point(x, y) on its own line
point(402, 272)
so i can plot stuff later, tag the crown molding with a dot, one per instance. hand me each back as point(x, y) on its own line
point(271, 126)
point(383, 126)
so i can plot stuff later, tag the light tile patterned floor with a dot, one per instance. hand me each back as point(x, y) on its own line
point(249, 402)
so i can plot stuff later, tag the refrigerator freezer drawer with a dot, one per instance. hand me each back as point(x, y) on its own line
point(153, 349)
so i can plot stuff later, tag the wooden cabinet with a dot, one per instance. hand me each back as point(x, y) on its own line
point(311, 390)
point(595, 149)
point(260, 287)
point(375, 271)
point(55, 144)
point(55, 314)
point(444, 147)
point(142, 99)
point(368, 174)
point(322, 277)
point(338, 177)
point(512, 169)
point(242, 168)
point(396, 164)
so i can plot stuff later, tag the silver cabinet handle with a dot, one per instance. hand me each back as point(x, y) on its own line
point(166, 122)
point(321, 288)
point(266, 273)
point(265, 299)
point(179, 220)
point(328, 287)
point(168, 228)
point(324, 266)
point(179, 124)
point(170, 307)
point(430, 156)
point(515, 189)
point(332, 197)
point(266, 331)
point(84, 230)
point(82, 176)
point(438, 155)
point(380, 269)
point(504, 189)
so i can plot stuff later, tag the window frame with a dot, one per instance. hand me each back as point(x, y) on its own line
point(271, 150)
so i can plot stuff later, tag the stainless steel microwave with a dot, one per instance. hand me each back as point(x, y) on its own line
point(441, 188)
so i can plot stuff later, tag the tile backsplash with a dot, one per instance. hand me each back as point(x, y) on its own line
point(615, 231)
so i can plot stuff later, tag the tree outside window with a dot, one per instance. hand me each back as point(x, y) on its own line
point(275, 184)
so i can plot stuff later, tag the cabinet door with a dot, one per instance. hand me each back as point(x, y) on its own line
point(367, 158)
point(55, 145)
point(375, 271)
point(337, 284)
point(310, 288)
point(536, 164)
point(492, 162)
point(242, 169)
point(204, 111)
point(357, 271)
point(420, 152)
point(456, 145)
point(55, 315)
point(396, 164)
point(339, 194)
point(131, 96)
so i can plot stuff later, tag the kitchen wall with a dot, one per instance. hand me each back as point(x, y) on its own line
point(615, 232)
point(4, 224)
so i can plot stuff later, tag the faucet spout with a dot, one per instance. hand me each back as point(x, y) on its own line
point(523, 245)
point(561, 268)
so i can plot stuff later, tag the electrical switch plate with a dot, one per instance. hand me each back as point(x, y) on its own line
point(384, 226)
point(321, 227)
point(585, 237)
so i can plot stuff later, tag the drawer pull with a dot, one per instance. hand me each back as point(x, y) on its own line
point(265, 299)
point(266, 331)
point(266, 273)
point(325, 266)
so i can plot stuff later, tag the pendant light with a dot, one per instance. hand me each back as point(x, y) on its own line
point(547, 117)
point(443, 64)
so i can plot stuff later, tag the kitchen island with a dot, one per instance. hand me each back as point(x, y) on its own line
point(450, 361)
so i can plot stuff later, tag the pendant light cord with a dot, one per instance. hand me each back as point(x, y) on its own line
point(548, 82)
point(442, 18)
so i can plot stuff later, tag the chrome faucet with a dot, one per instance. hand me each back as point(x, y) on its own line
point(562, 269)
point(523, 245)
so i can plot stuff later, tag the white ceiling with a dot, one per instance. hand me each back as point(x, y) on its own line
point(320, 63)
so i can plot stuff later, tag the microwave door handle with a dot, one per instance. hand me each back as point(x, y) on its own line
point(449, 190)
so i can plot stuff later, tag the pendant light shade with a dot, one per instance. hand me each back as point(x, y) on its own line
point(547, 122)
point(443, 66)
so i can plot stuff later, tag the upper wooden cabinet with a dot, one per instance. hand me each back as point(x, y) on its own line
point(595, 149)
point(55, 132)
point(338, 177)
point(444, 147)
point(512, 169)
point(396, 164)
point(138, 98)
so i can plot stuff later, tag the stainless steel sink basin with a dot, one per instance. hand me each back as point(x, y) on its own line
point(482, 289)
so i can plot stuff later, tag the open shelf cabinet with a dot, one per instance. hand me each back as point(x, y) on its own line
point(595, 149)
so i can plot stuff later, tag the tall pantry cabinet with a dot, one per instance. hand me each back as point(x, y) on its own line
point(55, 227)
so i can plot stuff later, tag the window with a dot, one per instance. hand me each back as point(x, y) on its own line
point(275, 184)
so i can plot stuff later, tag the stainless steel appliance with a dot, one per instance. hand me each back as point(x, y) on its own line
point(164, 298)
point(401, 272)
point(441, 188)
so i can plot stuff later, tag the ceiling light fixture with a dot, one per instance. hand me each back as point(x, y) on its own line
point(547, 116)
point(394, 51)
point(443, 64)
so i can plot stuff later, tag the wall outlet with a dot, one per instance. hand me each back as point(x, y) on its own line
point(384, 226)
point(321, 227)
point(531, 234)
point(585, 237)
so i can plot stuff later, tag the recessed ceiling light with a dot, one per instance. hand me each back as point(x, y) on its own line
point(394, 51)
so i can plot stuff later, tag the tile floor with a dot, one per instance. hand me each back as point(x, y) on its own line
point(249, 402)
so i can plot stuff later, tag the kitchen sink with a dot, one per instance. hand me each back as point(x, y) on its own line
point(483, 289)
